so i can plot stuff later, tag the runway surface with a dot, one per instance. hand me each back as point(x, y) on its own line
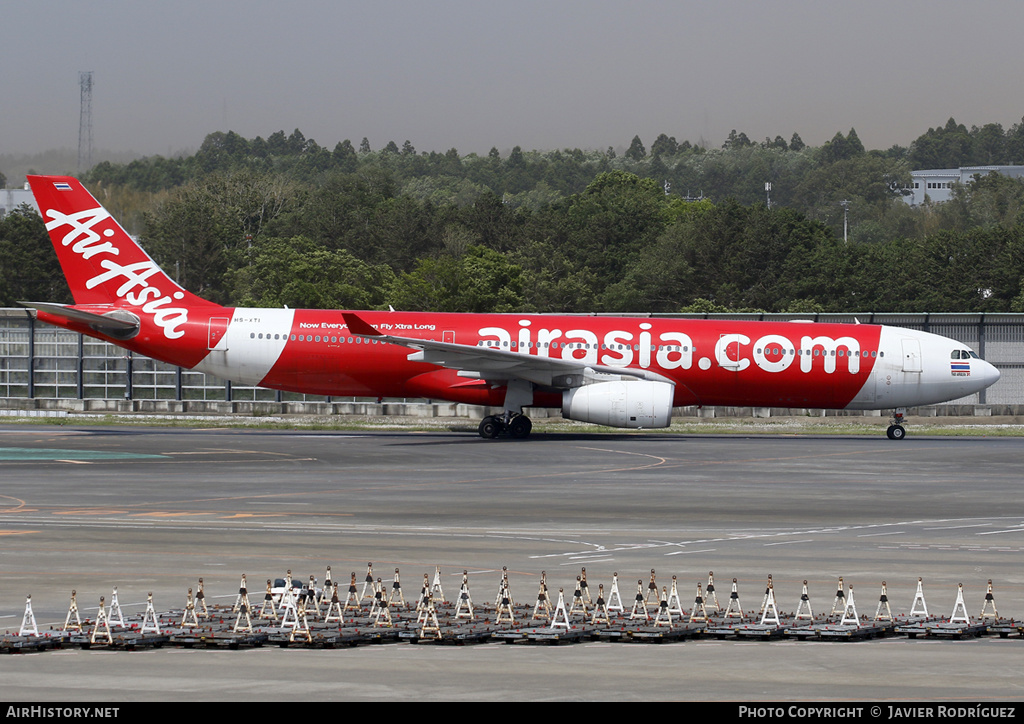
point(155, 509)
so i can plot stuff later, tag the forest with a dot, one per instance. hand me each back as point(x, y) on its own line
point(672, 227)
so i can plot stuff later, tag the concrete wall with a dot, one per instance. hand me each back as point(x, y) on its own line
point(41, 406)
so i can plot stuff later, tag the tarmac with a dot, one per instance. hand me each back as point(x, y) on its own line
point(152, 510)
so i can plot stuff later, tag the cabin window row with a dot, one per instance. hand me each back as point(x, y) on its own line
point(312, 338)
point(820, 352)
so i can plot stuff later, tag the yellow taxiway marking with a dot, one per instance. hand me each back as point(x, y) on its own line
point(18, 507)
point(17, 532)
point(91, 511)
point(252, 515)
point(168, 514)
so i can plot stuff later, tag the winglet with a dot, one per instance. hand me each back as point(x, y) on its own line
point(356, 325)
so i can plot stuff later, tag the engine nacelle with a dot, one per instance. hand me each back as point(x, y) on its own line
point(635, 404)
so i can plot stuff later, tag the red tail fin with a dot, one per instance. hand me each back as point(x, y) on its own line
point(102, 264)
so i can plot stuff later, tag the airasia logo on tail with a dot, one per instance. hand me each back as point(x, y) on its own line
point(81, 234)
point(136, 290)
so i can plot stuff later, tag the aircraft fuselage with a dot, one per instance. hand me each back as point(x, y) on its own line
point(619, 371)
point(711, 362)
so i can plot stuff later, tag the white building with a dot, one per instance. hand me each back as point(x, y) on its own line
point(937, 183)
point(10, 199)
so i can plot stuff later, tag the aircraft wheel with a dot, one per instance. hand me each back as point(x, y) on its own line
point(896, 432)
point(520, 427)
point(490, 427)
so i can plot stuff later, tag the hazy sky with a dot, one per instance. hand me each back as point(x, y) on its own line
point(473, 74)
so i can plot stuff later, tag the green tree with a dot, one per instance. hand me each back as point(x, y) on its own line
point(340, 212)
point(736, 141)
point(277, 143)
point(481, 280)
point(296, 144)
point(704, 306)
point(989, 144)
point(987, 200)
point(345, 157)
point(299, 273)
point(664, 146)
point(948, 146)
point(29, 270)
point(871, 184)
point(616, 215)
point(842, 148)
point(636, 150)
point(202, 230)
point(1015, 143)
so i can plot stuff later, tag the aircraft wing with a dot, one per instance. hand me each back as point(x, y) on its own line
point(498, 365)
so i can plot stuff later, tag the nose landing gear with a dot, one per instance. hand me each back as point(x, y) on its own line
point(896, 431)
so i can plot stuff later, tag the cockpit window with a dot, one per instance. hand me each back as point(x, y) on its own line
point(963, 354)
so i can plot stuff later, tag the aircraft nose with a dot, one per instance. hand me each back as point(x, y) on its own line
point(991, 374)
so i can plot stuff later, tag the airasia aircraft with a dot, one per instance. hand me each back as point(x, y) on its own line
point(624, 372)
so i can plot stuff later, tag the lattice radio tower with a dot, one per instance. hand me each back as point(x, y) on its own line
point(85, 121)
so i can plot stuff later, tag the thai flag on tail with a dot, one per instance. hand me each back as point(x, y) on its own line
point(61, 186)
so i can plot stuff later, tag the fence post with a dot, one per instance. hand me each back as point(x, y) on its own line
point(81, 366)
point(31, 354)
point(981, 351)
point(129, 370)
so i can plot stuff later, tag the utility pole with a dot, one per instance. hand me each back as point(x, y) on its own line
point(846, 218)
point(85, 121)
point(768, 193)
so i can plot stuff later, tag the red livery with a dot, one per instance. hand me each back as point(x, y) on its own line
point(619, 371)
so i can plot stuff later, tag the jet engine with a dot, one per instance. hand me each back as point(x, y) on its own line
point(634, 403)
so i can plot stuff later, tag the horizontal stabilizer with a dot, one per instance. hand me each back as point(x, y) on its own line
point(115, 323)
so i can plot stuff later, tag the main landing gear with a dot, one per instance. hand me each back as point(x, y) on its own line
point(896, 431)
point(514, 425)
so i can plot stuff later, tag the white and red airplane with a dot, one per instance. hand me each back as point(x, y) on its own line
point(626, 372)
